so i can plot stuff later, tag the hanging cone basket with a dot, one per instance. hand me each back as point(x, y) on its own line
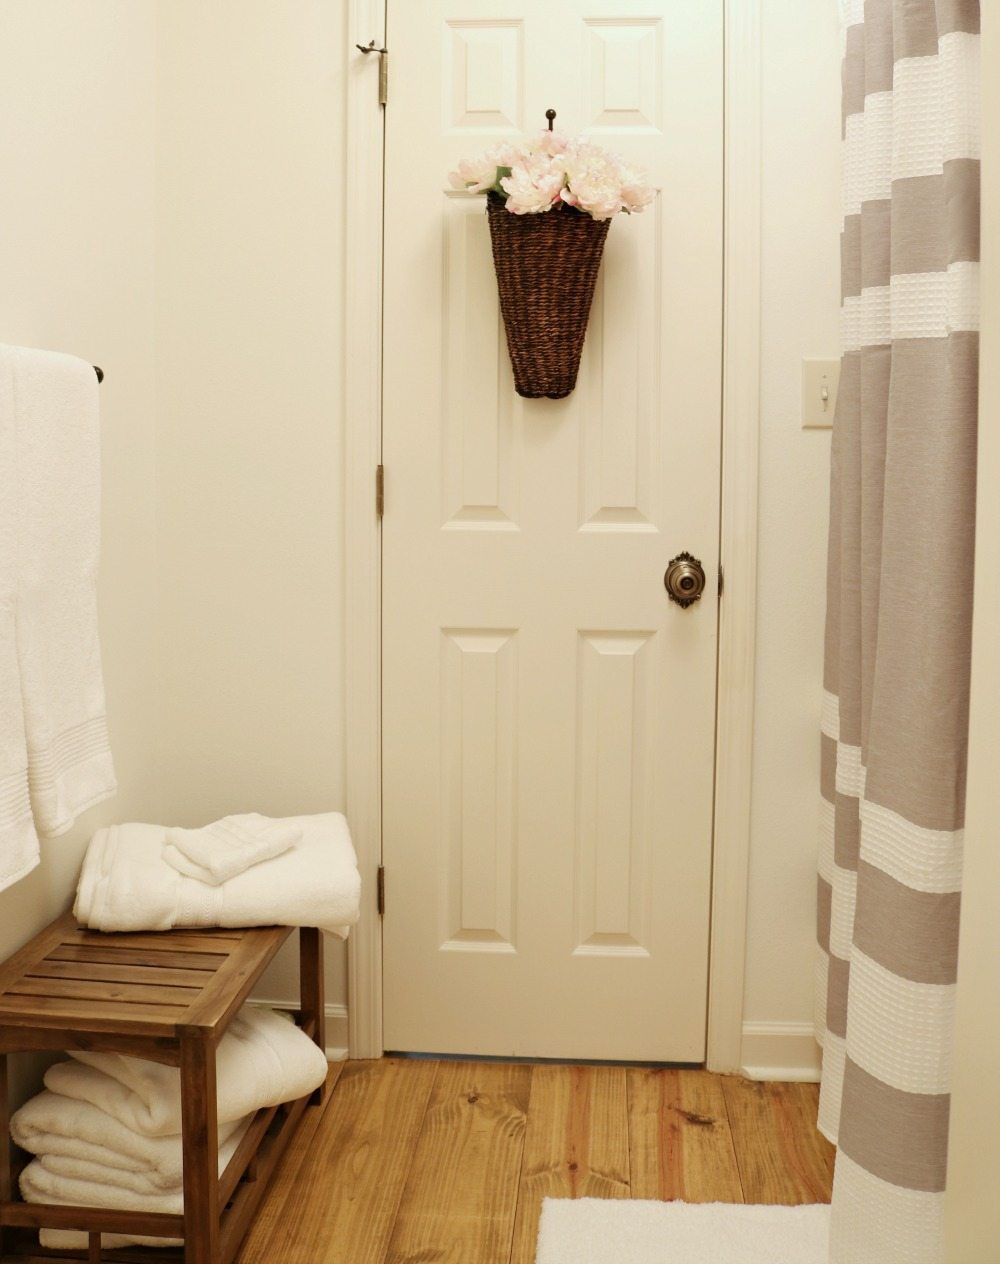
point(546, 267)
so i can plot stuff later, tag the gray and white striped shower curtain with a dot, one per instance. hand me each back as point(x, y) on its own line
point(899, 620)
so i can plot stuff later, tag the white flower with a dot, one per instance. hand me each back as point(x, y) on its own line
point(479, 174)
point(594, 181)
point(549, 143)
point(474, 174)
point(637, 194)
point(534, 185)
point(536, 172)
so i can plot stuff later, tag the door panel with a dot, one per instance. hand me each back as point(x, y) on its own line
point(548, 714)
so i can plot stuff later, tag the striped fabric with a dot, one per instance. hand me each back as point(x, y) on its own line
point(898, 620)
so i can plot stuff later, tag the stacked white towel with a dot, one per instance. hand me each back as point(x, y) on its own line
point(126, 884)
point(106, 1130)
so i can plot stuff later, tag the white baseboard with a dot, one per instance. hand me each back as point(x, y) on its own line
point(770, 1051)
point(780, 1051)
point(336, 1024)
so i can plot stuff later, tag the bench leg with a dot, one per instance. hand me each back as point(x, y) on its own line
point(199, 1116)
point(312, 998)
point(6, 1178)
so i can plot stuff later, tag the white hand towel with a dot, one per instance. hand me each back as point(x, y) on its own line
point(263, 1059)
point(18, 839)
point(59, 656)
point(74, 1138)
point(220, 851)
point(127, 885)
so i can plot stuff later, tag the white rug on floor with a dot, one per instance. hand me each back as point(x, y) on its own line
point(620, 1231)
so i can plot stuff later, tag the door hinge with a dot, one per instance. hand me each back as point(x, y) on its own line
point(379, 490)
point(380, 891)
point(383, 69)
point(720, 581)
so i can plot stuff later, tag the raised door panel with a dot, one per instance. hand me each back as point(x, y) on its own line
point(481, 415)
point(614, 693)
point(479, 788)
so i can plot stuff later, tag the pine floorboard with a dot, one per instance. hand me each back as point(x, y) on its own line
point(411, 1161)
point(781, 1156)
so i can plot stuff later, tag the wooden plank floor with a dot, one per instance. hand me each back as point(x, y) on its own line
point(414, 1162)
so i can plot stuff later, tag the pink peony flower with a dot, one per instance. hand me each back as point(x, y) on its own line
point(534, 185)
point(637, 194)
point(479, 174)
point(536, 173)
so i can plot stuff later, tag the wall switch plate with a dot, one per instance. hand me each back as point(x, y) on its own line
point(820, 379)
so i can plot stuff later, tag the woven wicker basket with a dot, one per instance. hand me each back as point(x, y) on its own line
point(546, 268)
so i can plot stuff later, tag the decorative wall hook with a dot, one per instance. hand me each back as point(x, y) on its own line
point(550, 114)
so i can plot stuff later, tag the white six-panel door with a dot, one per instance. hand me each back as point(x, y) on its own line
point(548, 714)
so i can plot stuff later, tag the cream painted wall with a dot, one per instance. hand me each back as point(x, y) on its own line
point(76, 262)
point(799, 317)
point(251, 428)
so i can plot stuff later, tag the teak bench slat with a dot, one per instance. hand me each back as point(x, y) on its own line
point(168, 996)
point(138, 957)
point(106, 972)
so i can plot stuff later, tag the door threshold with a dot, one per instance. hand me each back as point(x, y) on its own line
point(489, 1057)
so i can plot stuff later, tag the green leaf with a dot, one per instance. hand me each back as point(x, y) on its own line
point(502, 173)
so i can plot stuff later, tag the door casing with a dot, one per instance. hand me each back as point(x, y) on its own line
point(366, 20)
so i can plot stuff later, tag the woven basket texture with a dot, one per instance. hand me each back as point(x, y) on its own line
point(546, 267)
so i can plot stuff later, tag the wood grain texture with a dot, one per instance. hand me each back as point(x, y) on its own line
point(256, 1245)
point(204, 961)
point(116, 973)
point(679, 1137)
point(782, 1157)
point(200, 1120)
point(338, 1206)
point(460, 1201)
point(576, 1144)
point(98, 990)
point(415, 1162)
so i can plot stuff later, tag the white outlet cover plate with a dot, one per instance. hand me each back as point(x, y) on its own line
point(819, 376)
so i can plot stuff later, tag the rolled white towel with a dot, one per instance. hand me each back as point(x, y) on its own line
point(126, 884)
point(217, 852)
point(71, 1137)
point(263, 1059)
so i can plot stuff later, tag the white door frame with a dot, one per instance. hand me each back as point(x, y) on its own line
point(738, 541)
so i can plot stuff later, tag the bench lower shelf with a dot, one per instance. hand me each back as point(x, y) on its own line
point(243, 1186)
point(168, 996)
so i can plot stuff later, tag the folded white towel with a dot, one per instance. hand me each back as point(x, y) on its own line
point(18, 839)
point(74, 1138)
point(220, 851)
point(263, 1059)
point(59, 657)
point(41, 1186)
point(127, 885)
point(60, 1165)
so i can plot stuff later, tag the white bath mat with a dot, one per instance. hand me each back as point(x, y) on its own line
point(619, 1231)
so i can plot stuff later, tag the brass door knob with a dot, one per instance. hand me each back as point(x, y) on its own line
point(684, 580)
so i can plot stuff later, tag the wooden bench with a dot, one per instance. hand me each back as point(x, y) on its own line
point(167, 996)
